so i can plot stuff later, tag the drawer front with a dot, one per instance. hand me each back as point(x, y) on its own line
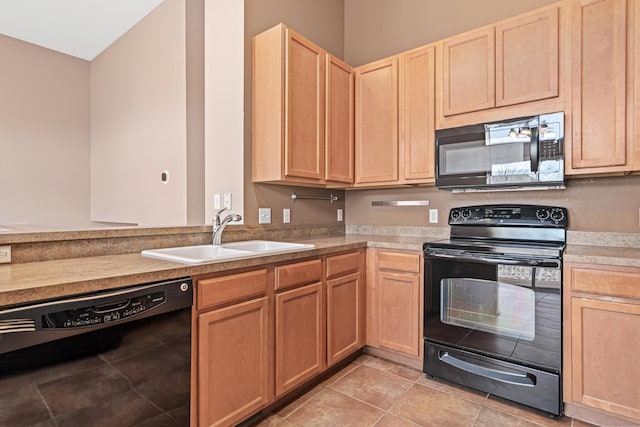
point(610, 281)
point(399, 261)
point(227, 289)
point(344, 264)
point(300, 273)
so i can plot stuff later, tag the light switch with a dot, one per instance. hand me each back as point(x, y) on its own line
point(227, 200)
point(340, 215)
point(216, 201)
point(286, 216)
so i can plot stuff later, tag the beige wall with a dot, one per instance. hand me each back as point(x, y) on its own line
point(138, 123)
point(378, 28)
point(375, 29)
point(595, 204)
point(44, 136)
point(224, 109)
point(322, 21)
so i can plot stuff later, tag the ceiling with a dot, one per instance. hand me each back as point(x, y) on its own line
point(80, 28)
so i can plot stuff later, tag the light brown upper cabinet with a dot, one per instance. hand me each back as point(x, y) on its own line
point(339, 149)
point(603, 83)
point(417, 115)
point(300, 95)
point(468, 79)
point(395, 119)
point(510, 69)
point(377, 122)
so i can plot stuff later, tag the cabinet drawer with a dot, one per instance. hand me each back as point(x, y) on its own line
point(341, 265)
point(611, 281)
point(228, 289)
point(399, 261)
point(301, 273)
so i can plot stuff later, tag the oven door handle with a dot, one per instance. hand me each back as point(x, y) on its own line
point(531, 262)
point(524, 379)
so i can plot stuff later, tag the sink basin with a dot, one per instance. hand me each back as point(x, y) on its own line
point(227, 251)
point(266, 246)
point(196, 254)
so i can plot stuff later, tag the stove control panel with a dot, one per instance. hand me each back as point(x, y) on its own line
point(516, 215)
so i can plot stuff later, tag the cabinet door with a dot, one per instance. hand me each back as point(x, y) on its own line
point(345, 317)
point(599, 70)
point(527, 58)
point(398, 312)
point(377, 122)
point(233, 363)
point(304, 120)
point(605, 371)
point(468, 72)
point(417, 118)
point(299, 336)
point(339, 147)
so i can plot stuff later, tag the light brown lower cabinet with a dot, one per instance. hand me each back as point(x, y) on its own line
point(602, 332)
point(345, 305)
point(233, 345)
point(394, 302)
point(233, 362)
point(262, 333)
point(299, 337)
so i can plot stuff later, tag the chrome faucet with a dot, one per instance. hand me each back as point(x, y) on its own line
point(219, 225)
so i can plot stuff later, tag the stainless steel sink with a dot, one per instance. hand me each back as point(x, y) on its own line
point(227, 251)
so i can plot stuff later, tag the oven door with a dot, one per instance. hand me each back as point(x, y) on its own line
point(506, 307)
point(493, 323)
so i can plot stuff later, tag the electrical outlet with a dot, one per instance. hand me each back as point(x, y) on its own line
point(264, 215)
point(433, 216)
point(5, 254)
point(216, 201)
point(340, 215)
point(227, 200)
point(286, 216)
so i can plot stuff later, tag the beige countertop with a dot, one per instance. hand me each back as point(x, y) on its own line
point(33, 281)
point(607, 255)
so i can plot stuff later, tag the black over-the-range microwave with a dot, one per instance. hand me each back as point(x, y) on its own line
point(522, 153)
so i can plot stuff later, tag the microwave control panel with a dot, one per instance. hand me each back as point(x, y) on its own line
point(550, 149)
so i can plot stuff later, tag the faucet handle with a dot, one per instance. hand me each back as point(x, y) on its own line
point(216, 219)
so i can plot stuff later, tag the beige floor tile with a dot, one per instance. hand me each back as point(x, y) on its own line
point(340, 374)
point(492, 418)
point(293, 406)
point(458, 390)
point(390, 367)
point(372, 386)
point(393, 421)
point(429, 407)
point(274, 421)
point(525, 412)
point(331, 408)
point(578, 423)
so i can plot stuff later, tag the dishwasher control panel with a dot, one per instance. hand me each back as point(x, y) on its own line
point(103, 313)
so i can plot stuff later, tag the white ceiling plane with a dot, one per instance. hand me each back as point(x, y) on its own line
point(80, 28)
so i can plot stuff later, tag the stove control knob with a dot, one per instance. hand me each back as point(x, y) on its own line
point(455, 214)
point(557, 215)
point(542, 214)
point(466, 213)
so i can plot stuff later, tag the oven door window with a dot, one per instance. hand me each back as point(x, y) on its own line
point(505, 306)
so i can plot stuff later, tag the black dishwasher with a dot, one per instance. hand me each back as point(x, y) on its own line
point(115, 358)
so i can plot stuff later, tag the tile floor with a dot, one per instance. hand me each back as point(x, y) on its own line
point(374, 392)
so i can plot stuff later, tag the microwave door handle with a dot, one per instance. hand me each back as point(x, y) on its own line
point(534, 149)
